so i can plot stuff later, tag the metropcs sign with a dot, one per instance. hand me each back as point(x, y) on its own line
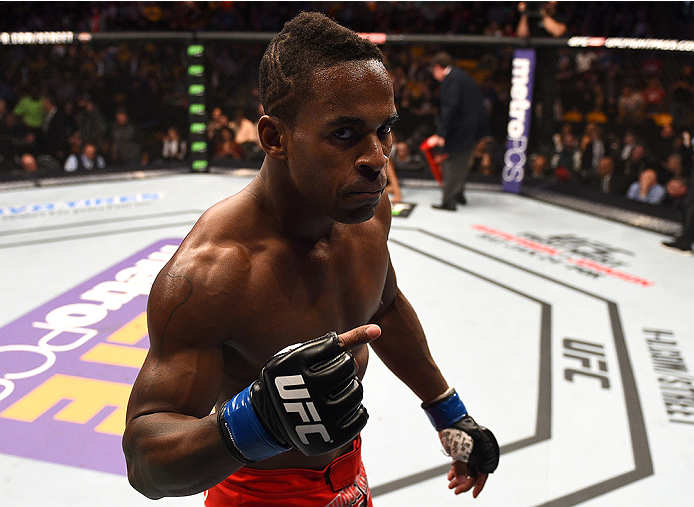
point(518, 119)
point(67, 368)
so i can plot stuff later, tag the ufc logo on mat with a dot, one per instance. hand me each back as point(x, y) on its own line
point(292, 387)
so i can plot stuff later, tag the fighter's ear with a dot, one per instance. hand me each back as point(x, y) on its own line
point(273, 134)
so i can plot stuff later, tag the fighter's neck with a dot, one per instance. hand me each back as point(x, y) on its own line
point(287, 212)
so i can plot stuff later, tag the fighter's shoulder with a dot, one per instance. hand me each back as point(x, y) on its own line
point(196, 291)
point(222, 238)
point(212, 255)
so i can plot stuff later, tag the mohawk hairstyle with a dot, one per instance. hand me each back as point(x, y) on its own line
point(309, 42)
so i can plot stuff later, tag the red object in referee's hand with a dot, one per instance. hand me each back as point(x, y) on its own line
point(427, 148)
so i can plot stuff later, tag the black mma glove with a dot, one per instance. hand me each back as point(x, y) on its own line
point(462, 438)
point(308, 396)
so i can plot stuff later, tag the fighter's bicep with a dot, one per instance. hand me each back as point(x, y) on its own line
point(183, 370)
point(185, 307)
point(169, 301)
point(183, 379)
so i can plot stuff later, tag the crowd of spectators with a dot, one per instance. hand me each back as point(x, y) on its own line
point(618, 19)
point(121, 98)
point(628, 111)
point(622, 124)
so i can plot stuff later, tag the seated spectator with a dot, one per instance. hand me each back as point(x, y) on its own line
point(566, 152)
point(226, 146)
point(676, 192)
point(647, 189)
point(246, 133)
point(173, 147)
point(637, 162)
point(674, 167)
point(88, 160)
point(218, 120)
point(539, 169)
point(404, 159)
point(484, 157)
point(15, 138)
point(592, 151)
point(29, 164)
point(607, 180)
point(33, 167)
point(628, 144)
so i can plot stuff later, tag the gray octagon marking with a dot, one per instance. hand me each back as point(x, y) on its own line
point(573, 369)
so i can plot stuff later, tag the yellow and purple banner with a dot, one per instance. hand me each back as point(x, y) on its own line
point(67, 368)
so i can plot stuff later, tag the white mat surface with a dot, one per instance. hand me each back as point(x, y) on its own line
point(540, 316)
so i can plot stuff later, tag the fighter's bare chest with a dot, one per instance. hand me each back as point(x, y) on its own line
point(294, 296)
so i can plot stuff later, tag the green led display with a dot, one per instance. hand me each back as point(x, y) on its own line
point(198, 147)
point(196, 50)
point(199, 165)
point(196, 70)
point(196, 89)
point(197, 128)
point(197, 109)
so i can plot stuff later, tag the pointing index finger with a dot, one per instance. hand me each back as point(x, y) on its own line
point(359, 336)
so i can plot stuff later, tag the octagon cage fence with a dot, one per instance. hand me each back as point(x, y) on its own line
point(182, 101)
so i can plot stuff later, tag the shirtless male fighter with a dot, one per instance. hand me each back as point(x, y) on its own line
point(300, 253)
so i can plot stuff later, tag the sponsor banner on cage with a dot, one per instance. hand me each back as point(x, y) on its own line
point(67, 368)
point(519, 114)
point(76, 206)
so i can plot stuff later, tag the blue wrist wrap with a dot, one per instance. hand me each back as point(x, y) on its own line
point(446, 413)
point(246, 430)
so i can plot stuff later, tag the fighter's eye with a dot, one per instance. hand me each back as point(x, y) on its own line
point(385, 130)
point(344, 133)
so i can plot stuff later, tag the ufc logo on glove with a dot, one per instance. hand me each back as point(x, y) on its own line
point(292, 387)
point(315, 379)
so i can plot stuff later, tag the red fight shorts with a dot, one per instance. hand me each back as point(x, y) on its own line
point(341, 484)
